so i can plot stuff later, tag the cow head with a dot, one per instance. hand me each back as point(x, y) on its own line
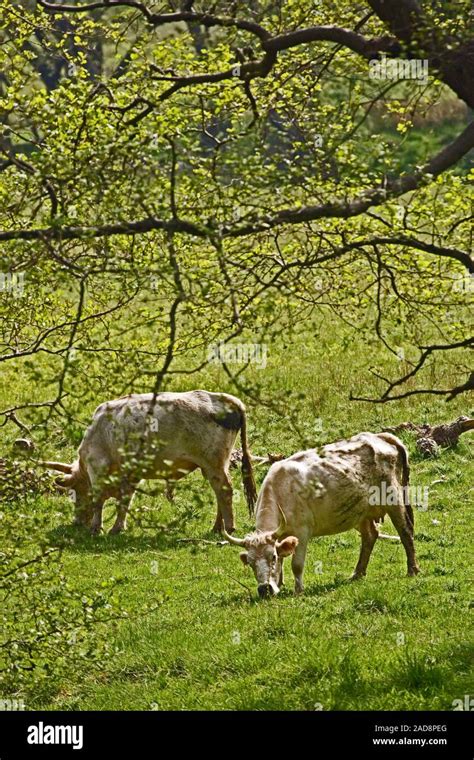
point(265, 553)
point(76, 483)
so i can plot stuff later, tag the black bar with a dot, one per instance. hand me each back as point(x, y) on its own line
point(155, 734)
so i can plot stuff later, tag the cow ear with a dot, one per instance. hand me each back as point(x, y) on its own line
point(287, 546)
point(244, 557)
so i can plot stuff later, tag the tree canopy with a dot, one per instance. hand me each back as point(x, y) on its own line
point(175, 176)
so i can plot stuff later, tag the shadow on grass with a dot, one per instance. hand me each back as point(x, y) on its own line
point(236, 598)
point(460, 657)
point(325, 588)
point(78, 540)
point(441, 673)
point(249, 593)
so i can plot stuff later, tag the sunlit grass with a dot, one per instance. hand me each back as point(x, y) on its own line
point(387, 642)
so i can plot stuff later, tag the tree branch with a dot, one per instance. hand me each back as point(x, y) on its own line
point(426, 353)
point(437, 250)
point(454, 62)
point(393, 188)
point(160, 19)
point(347, 38)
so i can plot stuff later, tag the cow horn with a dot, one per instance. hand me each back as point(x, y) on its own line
point(64, 483)
point(281, 527)
point(59, 466)
point(233, 539)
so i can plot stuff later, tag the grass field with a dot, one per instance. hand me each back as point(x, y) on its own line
point(386, 642)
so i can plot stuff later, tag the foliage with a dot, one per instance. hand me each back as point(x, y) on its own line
point(198, 211)
point(49, 627)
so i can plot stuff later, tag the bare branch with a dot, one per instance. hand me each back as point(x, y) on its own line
point(426, 353)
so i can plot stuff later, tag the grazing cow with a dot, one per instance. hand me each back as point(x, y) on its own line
point(145, 437)
point(310, 494)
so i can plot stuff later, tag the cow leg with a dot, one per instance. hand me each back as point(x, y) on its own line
point(368, 533)
point(96, 524)
point(222, 487)
point(96, 473)
point(124, 501)
point(219, 522)
point(404, 530)
point(83, 515)
point(297, 563)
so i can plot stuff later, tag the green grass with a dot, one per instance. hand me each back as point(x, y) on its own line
point(386, 642)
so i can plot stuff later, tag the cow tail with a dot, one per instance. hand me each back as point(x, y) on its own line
point(248, 479)
point(403, 457)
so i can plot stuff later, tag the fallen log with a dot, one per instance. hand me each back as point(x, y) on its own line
point(236, 458)
point(429, 438)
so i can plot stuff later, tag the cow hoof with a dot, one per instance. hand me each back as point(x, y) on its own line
point(96, 530)
point(357, 576)
point(413, 571)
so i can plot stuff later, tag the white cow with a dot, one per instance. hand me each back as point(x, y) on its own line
point(349, 484)
point(167, 436)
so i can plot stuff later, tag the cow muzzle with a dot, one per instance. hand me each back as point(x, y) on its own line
point(267, 589)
